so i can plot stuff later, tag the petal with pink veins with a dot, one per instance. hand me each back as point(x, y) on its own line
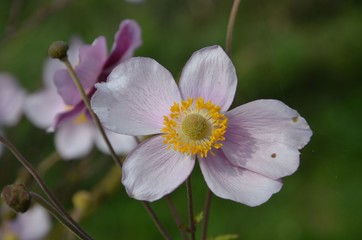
point(151, 170)
point(235, 183)
point(264, 136)
point(137, 96)
point(209, 74)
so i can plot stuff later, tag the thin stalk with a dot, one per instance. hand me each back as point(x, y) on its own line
point(42, 185)
point(176, 216)
point(45, 204)
point(44, 166)
point(155, 219)
point(101, 129)
point(191, 208)
point(88, 106)
point(206, 214)
point(230, 28)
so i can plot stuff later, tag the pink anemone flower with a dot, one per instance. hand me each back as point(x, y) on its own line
point(34, 224)
point(243, 153)
point(11, 102)
point(75, 132)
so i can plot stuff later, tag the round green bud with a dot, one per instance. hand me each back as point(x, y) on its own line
point(58, 50)
point(17, 197)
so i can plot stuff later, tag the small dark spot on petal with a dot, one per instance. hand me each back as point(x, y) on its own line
point(274, 155)
point(295, 119)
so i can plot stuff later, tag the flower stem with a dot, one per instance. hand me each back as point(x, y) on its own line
point(176, 216)
point(45, 204)
point(42, 168)
point(101, 129)
point(155, 219)
point(54, 201)
point(230, 27)
point(191, 208)
point(206, 214)
point(94, 116)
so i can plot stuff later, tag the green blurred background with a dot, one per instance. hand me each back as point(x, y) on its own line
point(307, 54)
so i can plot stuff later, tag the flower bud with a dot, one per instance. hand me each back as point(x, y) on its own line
point(58, 50)
point(17, 197)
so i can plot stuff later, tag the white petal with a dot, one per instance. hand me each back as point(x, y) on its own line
point(42, 107)
point(138, 94)
point(74, 140)
point(122, 144)
point(209, 73)
point(264, 136)
point(236, 183)
point(11, 100)
point(34, 224)
point(151, 170)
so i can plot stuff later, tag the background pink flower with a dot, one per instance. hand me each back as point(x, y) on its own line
point(11, 102)
point(60, 108)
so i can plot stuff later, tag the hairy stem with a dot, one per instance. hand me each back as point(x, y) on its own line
point(157, 222)
point(230, 28)
point(206, 214)
point(45, 204)
point(191, 208)
point(54, 201)
point(176, 216)
point(94, 116)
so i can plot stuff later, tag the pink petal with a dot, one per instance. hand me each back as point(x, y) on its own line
point(263, 137)
point(126, 40)
point(209, 73)
point(151, 170)
point(235, 183)
point(122, 144)
point(91, 61)
point(42, 107)
point(137, 96)
point(74, 140)
point(11, 100)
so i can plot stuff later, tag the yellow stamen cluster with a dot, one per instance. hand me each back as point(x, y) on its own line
point(194, 127)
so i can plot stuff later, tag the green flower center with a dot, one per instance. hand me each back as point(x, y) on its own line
point(195, 126)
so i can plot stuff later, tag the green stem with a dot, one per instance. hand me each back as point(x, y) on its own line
point(155, 219)
point(206, 214)
point(230, 27)
point(176, 216)
point(191, 208)
point(42, 185)
point(88, 106)
point(45, 204)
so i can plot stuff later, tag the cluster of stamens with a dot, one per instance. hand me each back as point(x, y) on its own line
point(194, 127)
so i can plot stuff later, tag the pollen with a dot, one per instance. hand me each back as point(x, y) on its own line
point(194, 127)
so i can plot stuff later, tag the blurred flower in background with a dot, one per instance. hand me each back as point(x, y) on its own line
point(11, 102)
point(34, 224)
point(59, 107)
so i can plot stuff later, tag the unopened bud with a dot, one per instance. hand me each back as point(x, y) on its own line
point(17, 197)
point(58, 50)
